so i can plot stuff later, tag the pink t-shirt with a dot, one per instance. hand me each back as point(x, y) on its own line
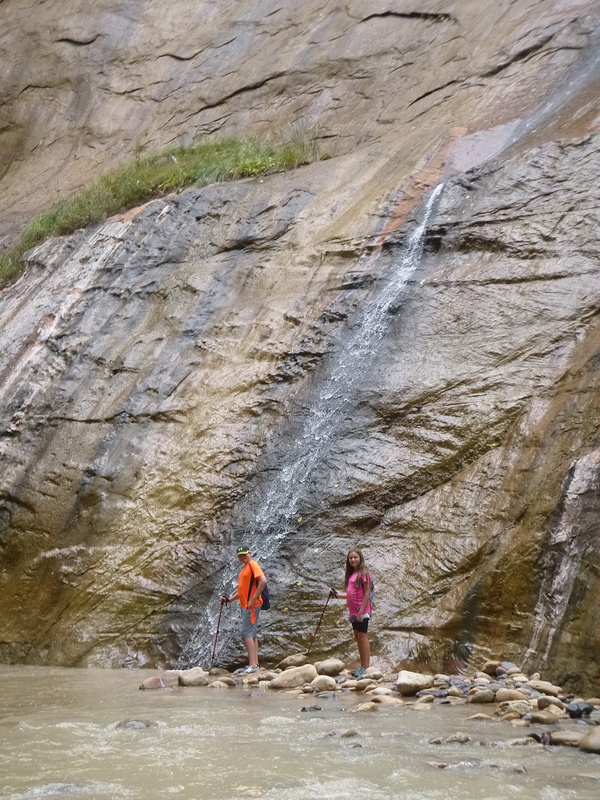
point(355, 594)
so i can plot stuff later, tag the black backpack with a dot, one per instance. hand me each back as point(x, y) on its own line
point(266, 602)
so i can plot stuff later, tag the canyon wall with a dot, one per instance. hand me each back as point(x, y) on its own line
point(161, 372)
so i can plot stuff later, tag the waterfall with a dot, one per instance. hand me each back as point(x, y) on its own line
point(331, 403)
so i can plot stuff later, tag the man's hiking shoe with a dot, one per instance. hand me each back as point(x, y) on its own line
point(359, 673)
point(249, 670)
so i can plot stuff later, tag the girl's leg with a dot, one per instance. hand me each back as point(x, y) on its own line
point(364, 648)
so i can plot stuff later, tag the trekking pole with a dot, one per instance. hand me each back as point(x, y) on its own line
point(319, 623)
point(216, 634)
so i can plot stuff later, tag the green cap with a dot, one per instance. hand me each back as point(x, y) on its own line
point(242, 551)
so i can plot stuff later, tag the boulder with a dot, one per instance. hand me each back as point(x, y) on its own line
point(546, 701)
point(193, 677)
point(292, 677)
point(157, 682)
point(503, 695)
point(324, 683)
point(544, 687)
point(490, 667)
point(387, 699)
point(566, 738)
point(544, 717)
point(459, 738)
point(578, 710)
point(409, 683)
point(482, 696)
point(367, 707)
point(135, 724)
point(331, 666)
point(590, 741)
point(365, 683)
point(294, 660)
point(521, 707)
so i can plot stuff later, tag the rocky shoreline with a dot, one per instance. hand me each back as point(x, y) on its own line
point(553, 716)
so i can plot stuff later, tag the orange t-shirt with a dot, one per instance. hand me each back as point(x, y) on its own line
point(246, 573)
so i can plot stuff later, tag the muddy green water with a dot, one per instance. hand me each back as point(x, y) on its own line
point(59, 739)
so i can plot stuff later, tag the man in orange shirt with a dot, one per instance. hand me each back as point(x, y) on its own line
point(251, 582)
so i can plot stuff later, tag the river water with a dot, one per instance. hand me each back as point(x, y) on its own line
point(59, 739)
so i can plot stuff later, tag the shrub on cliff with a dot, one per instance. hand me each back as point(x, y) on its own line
point(152, 176)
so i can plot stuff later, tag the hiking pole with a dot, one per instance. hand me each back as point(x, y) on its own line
point(216, 634)
point(329, 596)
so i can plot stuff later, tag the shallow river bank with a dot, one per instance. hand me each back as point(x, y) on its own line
point(60, 738)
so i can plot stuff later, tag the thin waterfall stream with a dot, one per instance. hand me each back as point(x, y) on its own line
point(329, 406)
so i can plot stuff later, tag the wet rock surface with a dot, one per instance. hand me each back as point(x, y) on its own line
point(157, 369)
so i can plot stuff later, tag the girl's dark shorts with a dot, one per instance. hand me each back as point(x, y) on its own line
point(361, 627)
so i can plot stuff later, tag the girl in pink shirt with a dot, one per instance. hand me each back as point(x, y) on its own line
point(358, 599)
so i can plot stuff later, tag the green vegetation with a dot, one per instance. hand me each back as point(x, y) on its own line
point(152, 176)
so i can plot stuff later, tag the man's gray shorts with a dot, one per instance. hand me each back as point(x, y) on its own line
point(249, 631)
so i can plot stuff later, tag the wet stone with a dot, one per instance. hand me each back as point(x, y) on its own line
point(577, 710)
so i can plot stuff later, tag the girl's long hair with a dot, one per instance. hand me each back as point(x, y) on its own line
point(362, 568)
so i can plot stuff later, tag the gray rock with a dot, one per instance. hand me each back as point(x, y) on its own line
point(331, 667)
point(193, 677)
point(482, 696)
point(409, 683)
point(294, 676)
point(590, 742)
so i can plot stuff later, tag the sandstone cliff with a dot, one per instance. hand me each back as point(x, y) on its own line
point(192, 374)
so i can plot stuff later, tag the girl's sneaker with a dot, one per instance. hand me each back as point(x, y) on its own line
point(359, 673)
point(250, 669)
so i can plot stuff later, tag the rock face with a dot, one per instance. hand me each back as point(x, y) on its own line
point(163, 374)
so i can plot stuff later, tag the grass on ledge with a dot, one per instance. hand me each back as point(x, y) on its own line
point(153, 176)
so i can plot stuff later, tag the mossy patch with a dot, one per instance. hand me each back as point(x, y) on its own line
point(152, 176)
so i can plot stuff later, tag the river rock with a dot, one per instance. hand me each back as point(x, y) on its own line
point(382, 690)
point(135, 724)
point(374, 673)
point(590, 742)
point(387, 699)
point(547, 701)
point(331, 666)
point(479, 717)
point(580, 709)
point(503, 695)
point(566, 738)
point(367, 707)
point(520, 707)
point(409, 683)
point(364, 684)
point(294, 660)
point(219, 683)
point(482, 696)
point(193, 677)
point(293, 677)
point(490, 667)
point(504, 667)
point(454, 691)
point(158, 682)
point(544, 687)
point(324, 683)
point(544, 717)
point(425, 698)
point(457, 738)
